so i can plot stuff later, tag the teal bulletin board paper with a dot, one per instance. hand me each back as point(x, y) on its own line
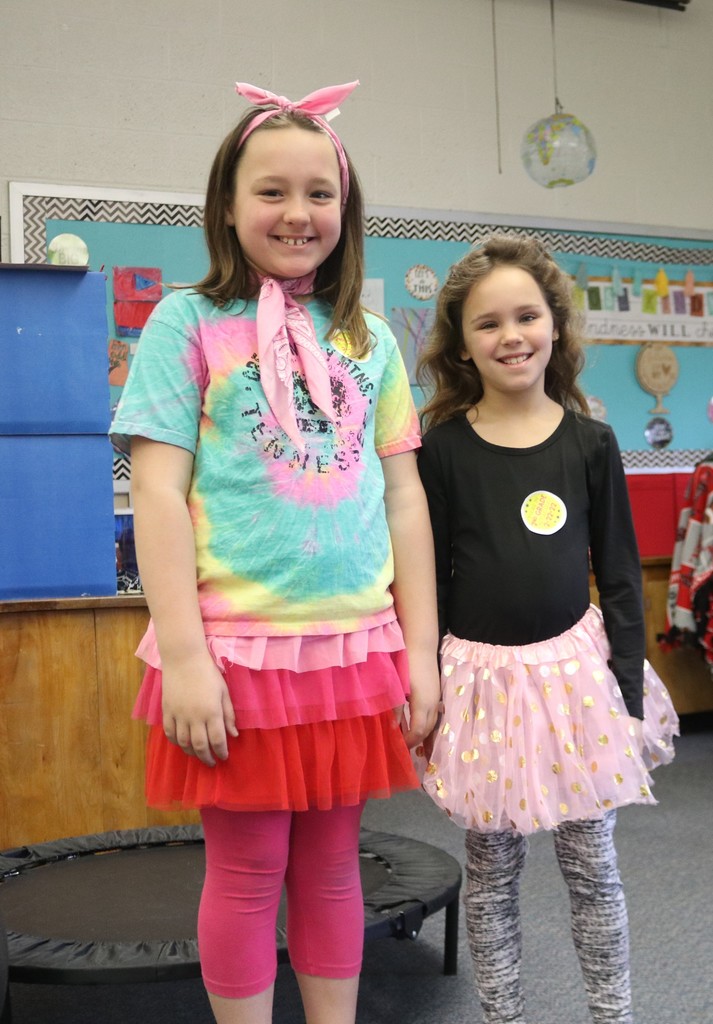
point(399, 240)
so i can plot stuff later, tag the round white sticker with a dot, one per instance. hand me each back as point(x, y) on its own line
point(543, 512)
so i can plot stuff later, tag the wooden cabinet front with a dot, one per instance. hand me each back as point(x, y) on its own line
point(71, 756)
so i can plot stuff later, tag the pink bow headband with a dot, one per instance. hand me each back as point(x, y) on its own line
point(323, 101)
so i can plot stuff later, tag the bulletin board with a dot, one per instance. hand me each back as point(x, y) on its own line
point(636, 286)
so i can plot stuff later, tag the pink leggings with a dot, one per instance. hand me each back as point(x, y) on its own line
point(248, 857)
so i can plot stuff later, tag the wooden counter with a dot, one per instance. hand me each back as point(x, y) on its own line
point(71, 756)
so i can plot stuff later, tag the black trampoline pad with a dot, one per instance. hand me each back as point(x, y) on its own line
point(123, 906)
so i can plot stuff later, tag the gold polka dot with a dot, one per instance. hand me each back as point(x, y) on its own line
point(629, 752)
point(508, 783)
point(496, 736)
point(564, 809)
point(501, 698)
point(588, 702)
point(645, 791)
point(492, 776)
point(557, 768)
point(608, 804)
point(613, 713)
point(441, 789)
point(459, 690)
point(465, 715)
point(535, 823)
point(534, 708)
point(618, 778)
point(569, 747)
point(486, 673)
point(547, 689)
point(487, 816)
point(594, 767)
point(445, 728)
point(523, 804)
point(480, 714)
point(598, 676)
point(563, 709)
point(467, 756)
point(544, 790)
point(576, 787)
point(603, 740)
point(431, 768)
point(517, 721)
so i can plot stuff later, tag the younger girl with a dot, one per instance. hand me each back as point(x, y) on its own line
point(277, 503)
point(552, 719)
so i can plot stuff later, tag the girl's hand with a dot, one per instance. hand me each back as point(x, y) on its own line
point(424, 701)
point(637, 732)
point(197, 712)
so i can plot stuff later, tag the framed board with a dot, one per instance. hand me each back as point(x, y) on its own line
point(636, 285)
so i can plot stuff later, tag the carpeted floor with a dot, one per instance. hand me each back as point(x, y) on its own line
point(666, 860)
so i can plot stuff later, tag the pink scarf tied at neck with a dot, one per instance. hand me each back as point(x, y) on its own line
point(323, 101)
point(284, 326)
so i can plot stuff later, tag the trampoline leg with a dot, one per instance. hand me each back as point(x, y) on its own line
point(6, 1012)
point(450, 946)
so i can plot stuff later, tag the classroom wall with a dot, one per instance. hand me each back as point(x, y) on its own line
point(136, 94)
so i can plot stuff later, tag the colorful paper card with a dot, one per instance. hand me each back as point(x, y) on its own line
point(130, 317)
point(143, 284)
point(118, 362)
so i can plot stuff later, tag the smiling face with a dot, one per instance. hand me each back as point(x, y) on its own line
point(508, 331)
point(286, 204)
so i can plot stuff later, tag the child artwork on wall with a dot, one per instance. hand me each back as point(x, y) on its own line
point(411, 327)
point(136, 292)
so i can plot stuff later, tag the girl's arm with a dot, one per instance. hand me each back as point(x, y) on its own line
point(414, 588)
point(197, 710)
point(617, 570)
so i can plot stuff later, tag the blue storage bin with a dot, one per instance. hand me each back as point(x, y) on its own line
point(54, 359)
point(56, 517)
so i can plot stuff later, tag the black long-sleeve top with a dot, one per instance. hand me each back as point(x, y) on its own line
point(499, 581)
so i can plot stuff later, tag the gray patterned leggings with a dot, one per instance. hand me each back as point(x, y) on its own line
point(587, 859)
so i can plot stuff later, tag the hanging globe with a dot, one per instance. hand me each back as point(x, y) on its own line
point(558, 150)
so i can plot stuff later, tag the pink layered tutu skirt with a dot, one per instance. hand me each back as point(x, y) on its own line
point(315, 717)
point(537, 735)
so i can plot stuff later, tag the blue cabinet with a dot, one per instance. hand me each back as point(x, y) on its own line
point(56, 493)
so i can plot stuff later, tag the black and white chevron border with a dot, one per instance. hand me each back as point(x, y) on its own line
point(39, 209)
point(571, 242)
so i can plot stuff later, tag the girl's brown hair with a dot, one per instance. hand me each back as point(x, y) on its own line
point(339, 278)
point(454, 385)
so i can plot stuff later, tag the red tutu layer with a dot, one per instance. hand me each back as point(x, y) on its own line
point(311, 733)
point(319, 765)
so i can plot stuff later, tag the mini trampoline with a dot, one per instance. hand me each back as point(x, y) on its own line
point(122, 906)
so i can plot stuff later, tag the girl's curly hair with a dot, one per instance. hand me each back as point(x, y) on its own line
point(452, 385)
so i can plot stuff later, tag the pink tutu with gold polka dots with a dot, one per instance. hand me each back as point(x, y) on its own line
point(536, 735)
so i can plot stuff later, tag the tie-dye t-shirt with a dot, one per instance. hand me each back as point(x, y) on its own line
point(287, 543)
